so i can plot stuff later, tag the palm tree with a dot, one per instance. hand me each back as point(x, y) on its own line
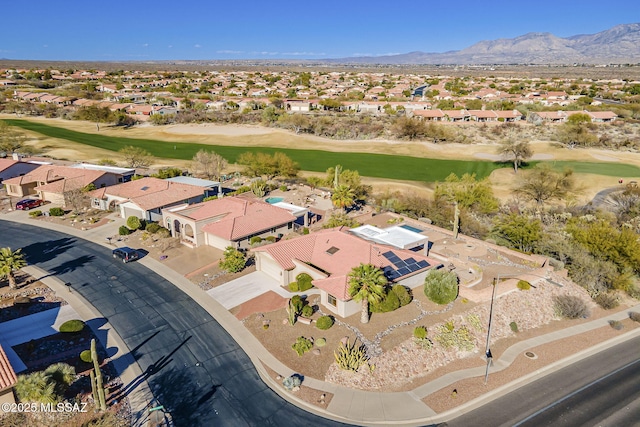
point(366, 284)
point(343, 197)
point(11, 261)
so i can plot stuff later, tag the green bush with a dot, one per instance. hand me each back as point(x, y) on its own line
point(34, 214)
point(460, 338)
point(302, 345)
point(514, 327)
point(404, 296)
point(307, 311)
point(305, 230)
point(255, 240)
point(207, 199)
point(293, 287)
point(441, 286)
point(163, 232)
point(134, 223)
point(304, 282)
point(570, 307)
point(72, 326)
point(320, 342)
point(153, 227)
point(85, 356)
point(607, 300)
point(283, 188)
point(297, 303)
point(635, 316)
point(389, 303)
point(270, 239)
point(56, 212)
point(523, 285)
point(420, 332)
point(233, 260)
point(324, 322)
point(124, 230)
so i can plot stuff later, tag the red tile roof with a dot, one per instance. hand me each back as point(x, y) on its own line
point(240, 217)
point(351, 252)
point(53, 173)
point(150, 193)
point(7, 374)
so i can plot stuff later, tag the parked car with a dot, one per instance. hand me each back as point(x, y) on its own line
point(126, 254)
point(26, 204)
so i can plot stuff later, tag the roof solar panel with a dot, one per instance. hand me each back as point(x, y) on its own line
point(410, 261)
point(414, 267)
point(404, 271)
point(389, 254)
point(423, 264)
point(392, 275)
point(400, 264)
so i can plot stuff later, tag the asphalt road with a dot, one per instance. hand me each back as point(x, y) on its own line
point(602, 390)
point(195, 369)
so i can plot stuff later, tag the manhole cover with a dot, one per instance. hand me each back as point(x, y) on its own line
point(531, 355)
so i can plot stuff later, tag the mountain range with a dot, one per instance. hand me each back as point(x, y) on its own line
point(617, 45)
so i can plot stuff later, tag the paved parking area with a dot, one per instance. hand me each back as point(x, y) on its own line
point(244, 288)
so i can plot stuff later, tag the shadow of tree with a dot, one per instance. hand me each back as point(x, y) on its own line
point(69, 266)
point(46, 251)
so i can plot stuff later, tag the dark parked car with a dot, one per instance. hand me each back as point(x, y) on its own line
point(26, 204)
point(126, 254)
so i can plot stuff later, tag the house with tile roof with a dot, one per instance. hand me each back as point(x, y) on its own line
point(11, 168)
point(52, 182)
point(229, 221)
point(8, 379)
point(329, 255)
point(145, 197)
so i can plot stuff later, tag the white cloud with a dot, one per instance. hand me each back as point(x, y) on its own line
point(45, 46)
point(170, 46)
point(197, 46)
point(227, 51)
point(145, 45)
point(304, 53)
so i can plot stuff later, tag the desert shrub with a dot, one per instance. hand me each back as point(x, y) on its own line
point(56, 212)
point(304, 282)
point(255, 240)
point(404, 296)
point(514, 327)
point(302, 345)
point(153, 227)
point(389, 303)
point(420, 332)
point(350, 357)
point(616, 324)
point(523, 285)
point(297, 303)
point(163, 232)
point(85, 356)
point(305, 230)
point(320, 342)
point(441, 286)
point(72, 326)
point(283, 188)
point(307, 311)
point(34, 214)
point(207, 199)
point(233, 260)
point(124, 230)
point(474, 320)
point(607, 300)
point(293, 287)
point(448, 336)
point(134, 223)
point(635, 316)
point(270, 239)
point(324, 322)
point(570, 307)
point(292, 382)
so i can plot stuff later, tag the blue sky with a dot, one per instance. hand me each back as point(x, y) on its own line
point(222, 29)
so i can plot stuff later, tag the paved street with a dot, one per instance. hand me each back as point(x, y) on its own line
point(196, 370)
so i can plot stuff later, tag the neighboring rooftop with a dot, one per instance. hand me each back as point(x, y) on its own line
point(396, 236)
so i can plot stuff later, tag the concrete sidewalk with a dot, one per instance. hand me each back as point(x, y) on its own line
point(351, 405)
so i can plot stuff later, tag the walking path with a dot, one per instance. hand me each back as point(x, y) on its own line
point(350, 405)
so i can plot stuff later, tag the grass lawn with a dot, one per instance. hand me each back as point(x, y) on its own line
point(396, 167)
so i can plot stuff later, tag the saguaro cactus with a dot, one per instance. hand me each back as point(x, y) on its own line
point(99, 388)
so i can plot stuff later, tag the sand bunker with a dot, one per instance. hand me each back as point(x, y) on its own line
point(208, 129)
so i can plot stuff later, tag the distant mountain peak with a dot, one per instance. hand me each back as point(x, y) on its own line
point(618, 44)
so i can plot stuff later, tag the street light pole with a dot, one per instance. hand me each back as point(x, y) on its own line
point(487, 351)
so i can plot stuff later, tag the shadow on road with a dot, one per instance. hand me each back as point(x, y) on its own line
point(46, 251)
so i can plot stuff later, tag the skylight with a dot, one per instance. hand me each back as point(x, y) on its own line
point(332, 250)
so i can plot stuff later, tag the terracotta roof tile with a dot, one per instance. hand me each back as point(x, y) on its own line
point(7, 374)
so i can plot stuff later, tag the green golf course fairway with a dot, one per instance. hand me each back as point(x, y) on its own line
point(404, 168)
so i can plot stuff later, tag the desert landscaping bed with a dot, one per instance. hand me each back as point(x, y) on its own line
point(14, 304)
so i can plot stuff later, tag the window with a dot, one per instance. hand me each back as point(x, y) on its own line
point(331, 300)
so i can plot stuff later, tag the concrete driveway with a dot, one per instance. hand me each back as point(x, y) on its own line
point(244, 288)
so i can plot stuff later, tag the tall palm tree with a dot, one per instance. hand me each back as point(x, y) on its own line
point(11, 261)
point(343, 197)
point(366, 284)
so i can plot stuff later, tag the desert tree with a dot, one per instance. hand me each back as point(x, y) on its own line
point(515, 151)
point(135, 157)
point(366, 285)
point(543, 184)
point(10, 262)
point(209, 164)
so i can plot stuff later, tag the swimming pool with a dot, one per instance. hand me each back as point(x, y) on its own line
point(410, 228)
point(272, 200)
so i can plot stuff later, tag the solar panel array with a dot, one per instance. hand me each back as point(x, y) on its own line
point(402, 266)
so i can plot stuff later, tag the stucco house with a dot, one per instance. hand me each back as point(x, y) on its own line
point(10, 168)
point(145, 197)
point(230, 221)
point(51, 182)
point(329, 255)
point(8, 379)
